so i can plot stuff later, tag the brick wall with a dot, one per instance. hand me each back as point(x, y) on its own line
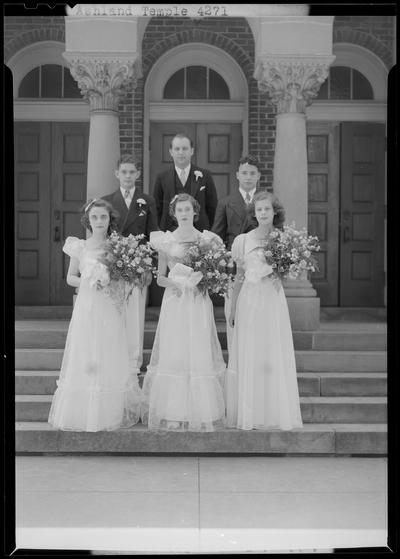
point(22, 31)
point(232, 35)
point(376, 33)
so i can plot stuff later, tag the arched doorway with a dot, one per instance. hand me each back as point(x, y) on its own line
point(51, 136)
point(207, 100)
point(346, 131)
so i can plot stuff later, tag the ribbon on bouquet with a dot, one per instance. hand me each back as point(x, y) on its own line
point(259, 272)
point(185, 276)
point(96, 272)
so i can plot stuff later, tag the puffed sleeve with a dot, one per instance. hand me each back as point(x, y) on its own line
point(210, 236)
point(73, 247)
point(238, 249)
point(158, 240)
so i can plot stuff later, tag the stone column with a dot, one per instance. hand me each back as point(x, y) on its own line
point(103, 80)
point(292, 82)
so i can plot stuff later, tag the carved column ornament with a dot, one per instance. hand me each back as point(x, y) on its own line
point(292, 82)
point(103, 79)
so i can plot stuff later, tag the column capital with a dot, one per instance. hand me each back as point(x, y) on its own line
point(103, 78)
point(292, 81)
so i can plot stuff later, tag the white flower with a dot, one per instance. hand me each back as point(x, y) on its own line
point(141, 202)
point(198, 174)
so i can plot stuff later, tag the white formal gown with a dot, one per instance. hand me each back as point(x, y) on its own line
point(261, 381)
point(183, 386)
point(95, 391)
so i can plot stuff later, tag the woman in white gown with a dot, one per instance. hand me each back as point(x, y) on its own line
point(183, 386)
point(261, 381)
point(95, 391)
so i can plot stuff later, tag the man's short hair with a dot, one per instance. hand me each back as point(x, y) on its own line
point(128, 159)
point(250, 160)
point(181, 135)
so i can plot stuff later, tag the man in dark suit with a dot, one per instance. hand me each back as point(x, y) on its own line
point(231, 215)
point(137, 210)
point(184, 177)
point(137, 216)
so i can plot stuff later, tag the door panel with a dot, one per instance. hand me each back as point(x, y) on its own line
point(323, 206)
point(50, 187)
point(32, 219)
point(69, 165)
point(217, 147)
point(362, 214)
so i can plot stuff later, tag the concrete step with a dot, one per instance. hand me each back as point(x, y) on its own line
point(306, 361)
point(314, 409)
point(335, 336)
point(310, 384)
point(312, 439)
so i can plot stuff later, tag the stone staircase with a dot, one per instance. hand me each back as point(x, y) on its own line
point(342, 383)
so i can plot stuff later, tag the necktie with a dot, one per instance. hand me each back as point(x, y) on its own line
point(127, 195)
point(183, 176)
point(247, 198)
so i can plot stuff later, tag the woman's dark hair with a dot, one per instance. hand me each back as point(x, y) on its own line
point(279, 212)
point(100, 203)
point(184, 197)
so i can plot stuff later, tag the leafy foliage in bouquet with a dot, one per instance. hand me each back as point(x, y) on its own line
point(129, 260)
point(214, 261)
point(290, 252)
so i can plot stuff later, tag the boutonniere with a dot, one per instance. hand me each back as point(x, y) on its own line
point(198, 174)
point(141, 202)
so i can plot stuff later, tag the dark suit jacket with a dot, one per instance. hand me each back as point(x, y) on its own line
point(136, 221)
point(231, 218)
point(203, 190)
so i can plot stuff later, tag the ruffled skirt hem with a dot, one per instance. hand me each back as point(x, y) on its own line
point(88, 410)
point(183, 402)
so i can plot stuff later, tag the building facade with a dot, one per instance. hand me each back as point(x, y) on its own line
point(305, 94)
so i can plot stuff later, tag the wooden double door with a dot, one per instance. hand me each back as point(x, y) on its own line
point(50, 187)
point(346, 210)
point(217, 147)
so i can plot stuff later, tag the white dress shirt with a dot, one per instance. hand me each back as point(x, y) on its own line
point(243, 193)
point(128, 199)
point(179, 171)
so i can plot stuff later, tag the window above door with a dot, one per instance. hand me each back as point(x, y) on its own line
point(345, 83)
point(196, 82)
point(49, 81)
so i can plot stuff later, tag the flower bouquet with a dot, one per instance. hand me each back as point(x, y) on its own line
point(214, 262)
point(129, 263)
point(290, 252)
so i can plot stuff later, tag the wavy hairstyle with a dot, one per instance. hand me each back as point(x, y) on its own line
point(184, 197)
point(279, 212)
point(100, 203)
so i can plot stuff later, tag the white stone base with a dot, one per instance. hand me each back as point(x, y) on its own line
point(304, 312)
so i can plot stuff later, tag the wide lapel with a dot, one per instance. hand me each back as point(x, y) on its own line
point(195, 184)
point(170, 183)
point(237, 203)
point(119, 204)
point(134, 209)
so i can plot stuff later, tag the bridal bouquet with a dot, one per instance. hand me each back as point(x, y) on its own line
point(129, 260)
point(290, 252)
point(127, 263)
point(215, 264)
